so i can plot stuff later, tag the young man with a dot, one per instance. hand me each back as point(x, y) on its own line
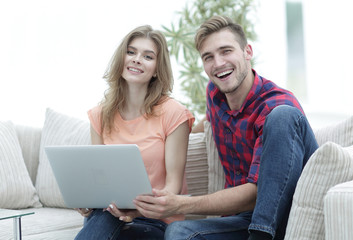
point(254, 122)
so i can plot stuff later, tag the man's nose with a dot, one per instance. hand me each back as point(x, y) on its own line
point(218, 61)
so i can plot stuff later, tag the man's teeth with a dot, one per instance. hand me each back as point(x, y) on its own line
point(135, 70)
point(224, 73)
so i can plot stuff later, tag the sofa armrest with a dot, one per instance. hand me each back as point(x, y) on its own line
point(338, 212)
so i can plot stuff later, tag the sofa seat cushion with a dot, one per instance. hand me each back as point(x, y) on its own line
point(45, 223)
point(330, 165)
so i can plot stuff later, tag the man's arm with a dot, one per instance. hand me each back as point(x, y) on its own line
point(199, 127)
point(224, 202)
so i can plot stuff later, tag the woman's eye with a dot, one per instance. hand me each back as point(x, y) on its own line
point(129, 52)
point(149, 57)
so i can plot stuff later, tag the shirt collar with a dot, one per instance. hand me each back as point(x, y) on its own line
point(219, 97)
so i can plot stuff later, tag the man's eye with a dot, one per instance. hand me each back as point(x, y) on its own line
point(207, 58)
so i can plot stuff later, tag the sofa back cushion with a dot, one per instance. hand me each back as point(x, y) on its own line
point(29, 139)
point(16, 187)
point(340, 133)
point(58, 129)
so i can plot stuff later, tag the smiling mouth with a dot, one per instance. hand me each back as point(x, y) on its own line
point(134, 70)
point(224, 74)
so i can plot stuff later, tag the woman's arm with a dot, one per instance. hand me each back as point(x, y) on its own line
point(176, 147)
point(95, 138)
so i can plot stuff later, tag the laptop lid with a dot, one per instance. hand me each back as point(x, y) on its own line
point(93, 176)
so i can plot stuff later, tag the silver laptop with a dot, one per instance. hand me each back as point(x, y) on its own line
point(93, 176)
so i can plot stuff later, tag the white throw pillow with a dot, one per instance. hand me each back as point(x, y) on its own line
point(16, 188)
point(58, 129)
point(330, 165)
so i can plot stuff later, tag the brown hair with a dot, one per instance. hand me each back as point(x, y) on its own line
point(158, 89)
point(218, 23)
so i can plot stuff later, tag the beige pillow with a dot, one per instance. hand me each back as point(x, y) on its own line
point(330, 165)
point(215, 170)
point(340, 133)
point(16, 188)
point(58, 129)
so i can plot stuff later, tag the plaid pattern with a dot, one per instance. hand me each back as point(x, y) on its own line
point(238, 134)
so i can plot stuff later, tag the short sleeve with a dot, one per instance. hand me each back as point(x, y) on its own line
point(94, 116)
point(175, 114)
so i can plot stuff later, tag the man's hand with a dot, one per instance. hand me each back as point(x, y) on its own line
point(160, 205)
point(126, 215)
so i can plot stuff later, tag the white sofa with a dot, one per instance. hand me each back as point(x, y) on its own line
point(322, 204)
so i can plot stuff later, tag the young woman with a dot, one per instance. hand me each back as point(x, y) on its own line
point(137, 109)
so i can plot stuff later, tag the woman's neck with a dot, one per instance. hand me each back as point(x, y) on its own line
point(134, 106)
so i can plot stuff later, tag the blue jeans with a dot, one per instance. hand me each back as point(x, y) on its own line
point(221, 228)
point(102, 225)
point(288, 142)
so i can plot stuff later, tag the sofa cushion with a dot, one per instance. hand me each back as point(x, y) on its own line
point(340, 133)
point(196, 166)
point(215, 169)
point(29, 138)
point(16, 188)
point(330, 164)
point(58, 129)
point(338, 209)
point(45, 224)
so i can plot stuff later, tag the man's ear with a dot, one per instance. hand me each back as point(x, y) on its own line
point(248, 52)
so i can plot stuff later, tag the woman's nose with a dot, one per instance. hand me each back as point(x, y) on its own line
point(136, 60)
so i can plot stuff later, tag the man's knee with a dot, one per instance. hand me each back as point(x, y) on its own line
point(283, 116)
point(283, 112)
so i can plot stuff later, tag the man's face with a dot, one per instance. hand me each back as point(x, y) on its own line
point(225, 63)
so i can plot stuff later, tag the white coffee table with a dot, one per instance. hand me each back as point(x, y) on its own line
point(16, 216)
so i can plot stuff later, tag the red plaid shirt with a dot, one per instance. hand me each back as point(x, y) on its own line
point(238, 134)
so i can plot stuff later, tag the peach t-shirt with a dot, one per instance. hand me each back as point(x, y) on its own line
point(150, 135)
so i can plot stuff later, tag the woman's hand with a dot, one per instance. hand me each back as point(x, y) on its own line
point(125, 215)
point(85, 212)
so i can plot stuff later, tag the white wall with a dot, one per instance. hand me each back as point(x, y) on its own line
point(53, 53)
point(328, 49)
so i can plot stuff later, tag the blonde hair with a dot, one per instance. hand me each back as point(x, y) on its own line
point(159, 87)
point(218, 23)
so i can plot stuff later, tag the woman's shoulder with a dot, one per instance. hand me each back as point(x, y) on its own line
point(96, 110)
point(170, 103)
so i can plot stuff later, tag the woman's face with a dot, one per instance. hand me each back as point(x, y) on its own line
point(140, 63)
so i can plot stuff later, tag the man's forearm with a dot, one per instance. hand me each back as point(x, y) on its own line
point(225, 202)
